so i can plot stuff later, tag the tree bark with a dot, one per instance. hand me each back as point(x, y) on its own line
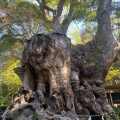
point(59, 78)
point(45, 69)
point(90, 65)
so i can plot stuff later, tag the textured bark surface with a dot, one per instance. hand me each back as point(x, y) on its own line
point(45, 70)
point(90, 65)
point(61, 81)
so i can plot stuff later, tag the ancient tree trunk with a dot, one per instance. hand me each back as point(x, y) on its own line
point(90, 65)
point(45, 69)
point(58, 78)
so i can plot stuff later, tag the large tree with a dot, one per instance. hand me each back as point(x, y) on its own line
point(57, 77)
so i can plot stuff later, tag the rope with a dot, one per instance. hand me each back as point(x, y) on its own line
point(58, 116)
point(30, 117)
point(90, 117)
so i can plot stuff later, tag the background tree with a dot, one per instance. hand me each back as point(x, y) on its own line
point(18, 21)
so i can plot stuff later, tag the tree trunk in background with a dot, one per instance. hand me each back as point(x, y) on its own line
point(58, 78)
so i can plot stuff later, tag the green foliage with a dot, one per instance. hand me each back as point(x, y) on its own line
point(117, 111)
point(80, 11)
point(113, 76)
point(9, 76)
point(28, 10)
point(75, 37)
point(91, 15)
point(9, 83)
point(81, 88)
point(4, 102)
point(22, 18)
point(6, 43)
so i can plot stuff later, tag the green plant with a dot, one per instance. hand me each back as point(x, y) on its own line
point(117, 111)
point(3, 104)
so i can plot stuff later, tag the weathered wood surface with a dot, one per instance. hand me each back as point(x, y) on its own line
point(45, 70)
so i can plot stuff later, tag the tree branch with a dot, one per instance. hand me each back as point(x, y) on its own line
point(45, 10)
point(93, 2)
point(43, 4)
point(66, 22)
point(59, 9)
point(49, 9)
point(116, 28)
